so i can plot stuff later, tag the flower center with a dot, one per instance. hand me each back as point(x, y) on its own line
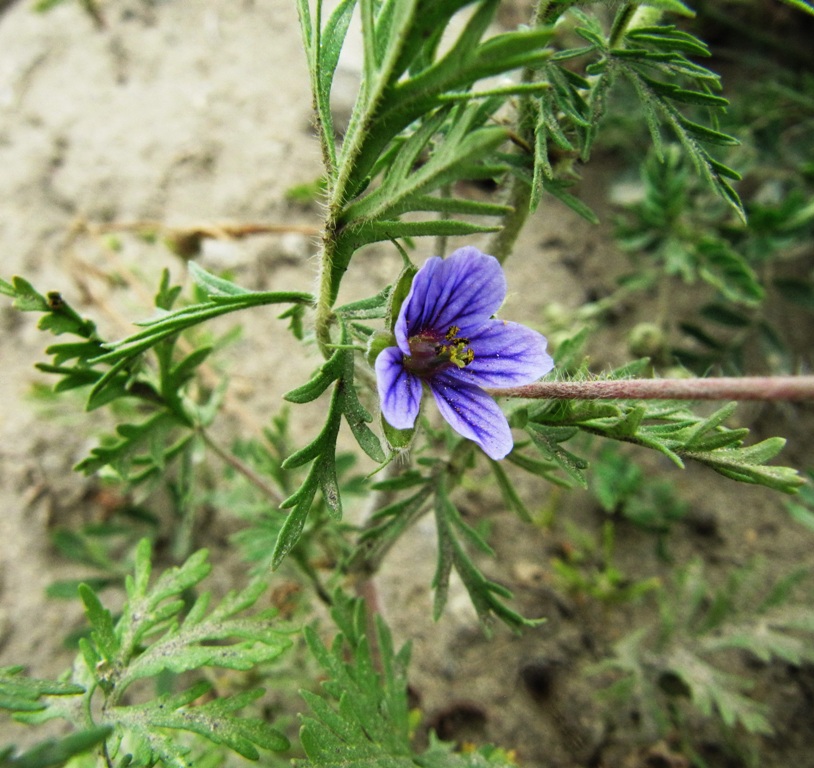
point(430, 353)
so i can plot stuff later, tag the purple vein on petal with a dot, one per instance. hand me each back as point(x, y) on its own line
point(399, 390)
point(473, 414)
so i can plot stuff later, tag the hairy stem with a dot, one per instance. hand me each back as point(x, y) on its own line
point(777, 388)
point(502, 242)
point(324, 311)
point(519, 197)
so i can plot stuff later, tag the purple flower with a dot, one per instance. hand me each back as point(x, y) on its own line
point(448, 340)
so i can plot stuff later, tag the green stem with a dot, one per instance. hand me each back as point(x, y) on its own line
point(324, 306)
point(502, 242)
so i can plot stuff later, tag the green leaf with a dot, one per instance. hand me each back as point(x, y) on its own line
point(663, 48)
point(487, 596)
point(674, 6)
point(558, 190)
point(212, 285)
point(725, 315)
point(57, 752)
point(548, 440)
point(616, 478)
point(138, 451)
point(361, 715)
point(748, 613)
point(159, 632)
point(801, 514)
point(101, 622)
point(361, 718)
point(22, 694)
point(300, 503)
point(378, 231)
point(800, 292)
point(329, 49)
point(715, 692)
point(509, 493)
point(329, 372)
point(26, 298)
point(801, 5)
point(391, 521)
point(214, 720)
point(665, 427)
point(321, 451)
point(169, 324)
point(747, 465)
point(405, 187)
point(216, 639)
point(367, 308)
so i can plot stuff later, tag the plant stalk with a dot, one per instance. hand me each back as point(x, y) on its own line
point(324, 306)
point(765, 388)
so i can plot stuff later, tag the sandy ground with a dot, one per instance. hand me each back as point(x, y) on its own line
point(197, 112)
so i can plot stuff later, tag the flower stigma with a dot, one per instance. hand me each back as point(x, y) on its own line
point(429, 353)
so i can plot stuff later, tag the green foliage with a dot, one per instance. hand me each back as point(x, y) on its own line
point(759, 284)
point(246, 494)
point(55, 752)
point(25, 695)
point(22, 694)
point(654, 59)
point(427, 490)
point(662, 229)
point(669, 428)
point(103, 547)
point(416, 126)
point(622, 488)
point(802, 510)
point(659, 667)
point(160, 632)
point(487, 595)
point(429, 119)
point(321, 452)
point(116, 370)
point(587, 569)
point(361, 716)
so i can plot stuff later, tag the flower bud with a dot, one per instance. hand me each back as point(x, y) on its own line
point(646, 340)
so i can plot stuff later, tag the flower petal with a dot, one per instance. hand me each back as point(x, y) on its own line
point(506, 355)
point(465, 289)
point(399, 390)
point(473, 414)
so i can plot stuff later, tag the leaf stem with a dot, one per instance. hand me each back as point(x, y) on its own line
point(765, 388)
point(242, 468)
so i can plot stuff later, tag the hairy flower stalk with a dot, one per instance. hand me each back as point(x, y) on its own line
point(779, 388)
point(448, 340)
